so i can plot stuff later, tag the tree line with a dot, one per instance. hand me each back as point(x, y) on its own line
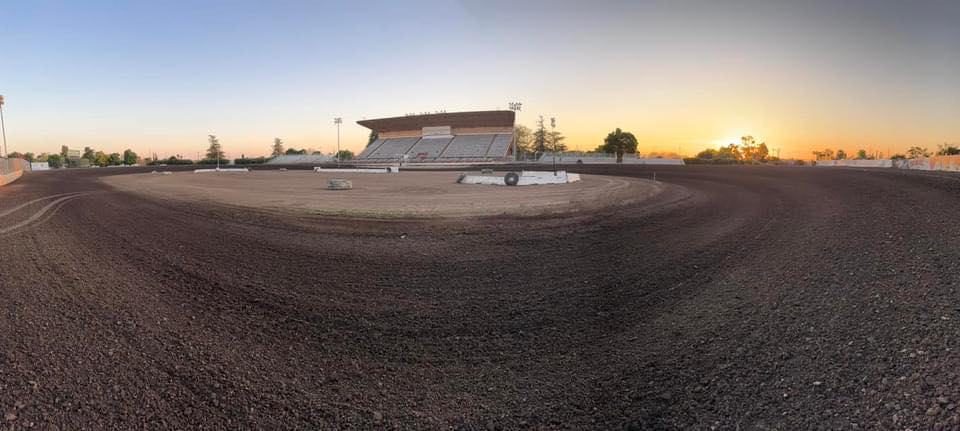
point(749, 151)
point(915, 152)
point(90, 157)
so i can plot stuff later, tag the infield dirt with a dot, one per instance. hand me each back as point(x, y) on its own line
point(407, 194)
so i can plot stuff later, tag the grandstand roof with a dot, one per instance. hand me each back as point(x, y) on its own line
point(452, 119)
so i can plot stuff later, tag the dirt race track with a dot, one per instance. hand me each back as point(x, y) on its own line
point(407, 194)
point(767, 298)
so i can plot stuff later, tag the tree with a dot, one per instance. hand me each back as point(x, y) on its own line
point(708, 154)
point(344, 155)
point(277, 147)
point(129, 157)
point(748, 147)
point(556, 141)
point(540, 137)
point(100, 159)
point(841, 155)
point(14, 155)
point(522, 136)
point(862, 155)
point(730, 153)
point(55, 161)
point(29, 157)
point(947, 150)
point(89, 154)
point(295, 152)
point(917, 152)
point(619, 142)
point(214, 151)
point(114, 159)
point(763, 153)
point(898, 157)
point(374, 135)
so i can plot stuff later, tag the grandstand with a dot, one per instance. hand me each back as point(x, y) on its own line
point(475, 137)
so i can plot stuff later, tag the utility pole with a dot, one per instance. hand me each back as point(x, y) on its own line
point(338, 121)
point(516, 108)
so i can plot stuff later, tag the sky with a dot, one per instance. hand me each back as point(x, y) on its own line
point(159, 76)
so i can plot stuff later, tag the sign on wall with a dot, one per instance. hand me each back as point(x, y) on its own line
point(437, 130)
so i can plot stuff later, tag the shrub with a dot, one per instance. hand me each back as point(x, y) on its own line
point(250, 161)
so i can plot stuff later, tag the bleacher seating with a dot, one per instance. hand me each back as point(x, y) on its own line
point(500, 146)
point(467, 147)
point(370, 149)
point(458, 148)
point(392, 149)
point(428, 148)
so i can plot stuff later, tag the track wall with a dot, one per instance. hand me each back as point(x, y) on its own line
point(935, 163)
point(12, 169)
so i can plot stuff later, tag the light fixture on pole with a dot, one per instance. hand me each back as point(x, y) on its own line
point(338, 121)
point(515, 107)
point(3, 128)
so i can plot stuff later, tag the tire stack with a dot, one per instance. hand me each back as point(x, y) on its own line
point(339, 184)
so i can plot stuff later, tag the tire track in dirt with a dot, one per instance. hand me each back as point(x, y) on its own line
point(51, 207)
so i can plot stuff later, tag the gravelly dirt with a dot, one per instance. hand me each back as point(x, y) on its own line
point(766, 298)
point(407, 194)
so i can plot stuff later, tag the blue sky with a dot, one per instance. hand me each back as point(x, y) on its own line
point(160, 75)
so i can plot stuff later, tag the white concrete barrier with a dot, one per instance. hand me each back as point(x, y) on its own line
point(9, 178)
point(527, 178)
point(204, 171)
point(39, 166)
point(12, 169)
point(606, 159)
point(935, 163)
point(385, 170)
point(853, 163)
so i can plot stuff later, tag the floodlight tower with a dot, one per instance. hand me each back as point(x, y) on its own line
point(338, 121)
point(515, 107)
point(3, 128)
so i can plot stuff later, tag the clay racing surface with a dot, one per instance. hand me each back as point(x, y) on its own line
point(787, 298)
point(408, 194)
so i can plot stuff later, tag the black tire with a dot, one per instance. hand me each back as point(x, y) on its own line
point(579, 162)
point(511, 178)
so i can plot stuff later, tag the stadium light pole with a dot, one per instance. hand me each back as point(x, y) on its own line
point(338, 121)
point(516, 108)
point(3, 128)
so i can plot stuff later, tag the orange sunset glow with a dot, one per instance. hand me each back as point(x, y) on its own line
point(680, 77)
